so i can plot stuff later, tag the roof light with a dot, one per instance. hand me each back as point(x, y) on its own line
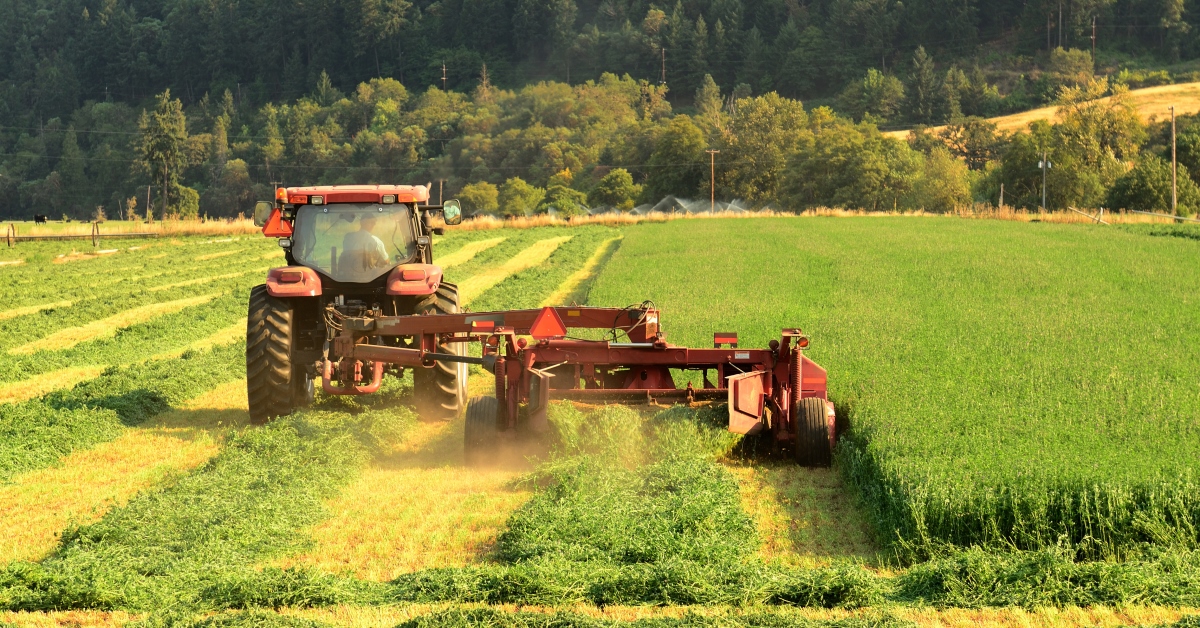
point(298, 199)
point(389, 198)
point(317, 200)
point(412, 274)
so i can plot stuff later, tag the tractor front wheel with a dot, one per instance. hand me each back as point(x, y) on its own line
point(275, 385)
point(810, 429)
point(481, 431)
point(440, 391)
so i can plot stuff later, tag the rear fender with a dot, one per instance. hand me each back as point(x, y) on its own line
point(414, 279)
point(293, 281)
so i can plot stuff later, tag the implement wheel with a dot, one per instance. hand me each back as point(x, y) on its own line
point(812, 444)
point(480, 433)
point(440, 392)
point(274, 384)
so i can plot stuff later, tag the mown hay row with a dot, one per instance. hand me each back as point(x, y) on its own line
point(107, 327)
point(467, 252)
point(44, 383)
point(527, 258)
point(413, 509)
point(32, 309)
point(574, 289)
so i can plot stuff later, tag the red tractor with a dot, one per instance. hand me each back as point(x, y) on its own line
point(361, 297)
point(351, 251)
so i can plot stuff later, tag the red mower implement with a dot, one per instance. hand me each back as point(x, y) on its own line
point(317, 319)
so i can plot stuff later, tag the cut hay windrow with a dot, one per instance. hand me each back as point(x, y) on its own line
point(32, 309)
point(527, 258)
point(573, 291)
point(12, 262)
point(167, 335)
point(37, 433)
point(202, 258)
point(531, 286)
point(35, 507)
point(192, 544)
point(47, 382)
point(467, 252)
point(107, 327)
point(412, 509)
point(203, 280)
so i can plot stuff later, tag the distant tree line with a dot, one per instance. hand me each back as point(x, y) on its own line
point(614, 143)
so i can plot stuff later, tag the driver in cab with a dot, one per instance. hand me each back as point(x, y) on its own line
point(361, 249)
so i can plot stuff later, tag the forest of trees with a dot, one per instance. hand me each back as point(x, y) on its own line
point(203, 104)
point(611, 143)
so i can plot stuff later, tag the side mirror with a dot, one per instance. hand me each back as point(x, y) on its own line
point(262, 212)
point(452, 212)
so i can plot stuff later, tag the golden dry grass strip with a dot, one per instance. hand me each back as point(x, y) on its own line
point(36, 506)
point(25, 389)
point(1151, 103)
point(159, 228)
point(211, 278)
point(804, 516)
point(468, 252)
point(107, 327)
point(574, 289)
point(1072, 617)
point(31, 309)
point(203, 258)
point(534, 255)
point(419, 508)
point(12, 262)
point(69, 619)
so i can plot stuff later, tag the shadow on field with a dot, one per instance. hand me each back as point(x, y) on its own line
point(806, 515)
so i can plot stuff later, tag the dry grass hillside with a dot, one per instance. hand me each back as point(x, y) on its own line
point(1151, 102)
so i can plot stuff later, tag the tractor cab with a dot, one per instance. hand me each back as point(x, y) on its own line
point(353, 234)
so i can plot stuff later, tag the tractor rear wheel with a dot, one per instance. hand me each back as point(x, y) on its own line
point(481, 431)
point(275, 385)
point(810, 427)
point(440, 391)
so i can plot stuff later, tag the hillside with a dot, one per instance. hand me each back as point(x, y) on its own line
point(1152, 103)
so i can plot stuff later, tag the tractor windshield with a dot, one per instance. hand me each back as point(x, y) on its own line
point(353, 243)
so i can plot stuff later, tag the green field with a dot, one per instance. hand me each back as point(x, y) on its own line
point(1005, 384)
point(1020, 405)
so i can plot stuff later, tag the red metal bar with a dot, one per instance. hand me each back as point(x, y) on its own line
point(640, 325)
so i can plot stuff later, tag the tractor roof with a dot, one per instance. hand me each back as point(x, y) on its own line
point(361, 193)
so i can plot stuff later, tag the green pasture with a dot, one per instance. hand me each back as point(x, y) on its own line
point(1005, 384)
point(1020, 404)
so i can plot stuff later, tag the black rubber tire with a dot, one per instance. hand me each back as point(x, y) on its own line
point(274, 385)
point(440, 392)
point(480, 434)
point(811, 445)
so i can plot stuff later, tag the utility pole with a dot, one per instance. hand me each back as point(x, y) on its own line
point(712, 179)
point(1174, 167)
point(1093, 44)
point(443, 76)
point(1001, 196)
point(441, 200)
point(1044, 165)
point(1060, 24)
point(663, 80)
point(1049, 27)
point(148, 212)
